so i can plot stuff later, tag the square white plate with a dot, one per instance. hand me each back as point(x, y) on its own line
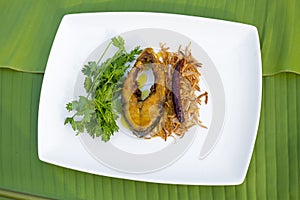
point(233, 48)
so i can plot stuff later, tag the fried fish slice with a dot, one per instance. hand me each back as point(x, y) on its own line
point(143, 115)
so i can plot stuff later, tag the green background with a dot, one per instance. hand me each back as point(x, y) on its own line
point(27, 30)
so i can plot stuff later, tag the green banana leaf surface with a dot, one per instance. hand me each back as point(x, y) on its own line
point(28, 28)
point(273, 172)
point(27, 31)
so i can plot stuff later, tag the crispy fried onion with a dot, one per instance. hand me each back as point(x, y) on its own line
point(169, 125)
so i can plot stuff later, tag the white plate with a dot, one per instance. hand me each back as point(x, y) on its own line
point(129, 154)
point(235, 52)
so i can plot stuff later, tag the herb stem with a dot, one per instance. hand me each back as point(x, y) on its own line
point(104, 52)
point(117, 54)
point(109, 79)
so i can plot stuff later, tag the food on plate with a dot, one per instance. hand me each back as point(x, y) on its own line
point(183, 94)
point(114, 88)
point(95, 112)
point(142, 115)
point(176, 90)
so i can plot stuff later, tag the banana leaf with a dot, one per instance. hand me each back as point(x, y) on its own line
point(28, 27)
point(273, 172)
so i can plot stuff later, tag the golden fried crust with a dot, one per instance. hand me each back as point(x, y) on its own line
point(143, 115)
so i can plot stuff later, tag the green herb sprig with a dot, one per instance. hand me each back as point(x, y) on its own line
point(96, 112)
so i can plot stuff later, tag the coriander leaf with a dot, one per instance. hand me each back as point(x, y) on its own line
point(80, 126)
point(89, 69)
point(87, 115)
point(87, 83)
point(118, 42)
point(69, 107)
point(98, 132)
point(81, 104)
point(69, 120)
point(86, 70)
point(117, 105)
